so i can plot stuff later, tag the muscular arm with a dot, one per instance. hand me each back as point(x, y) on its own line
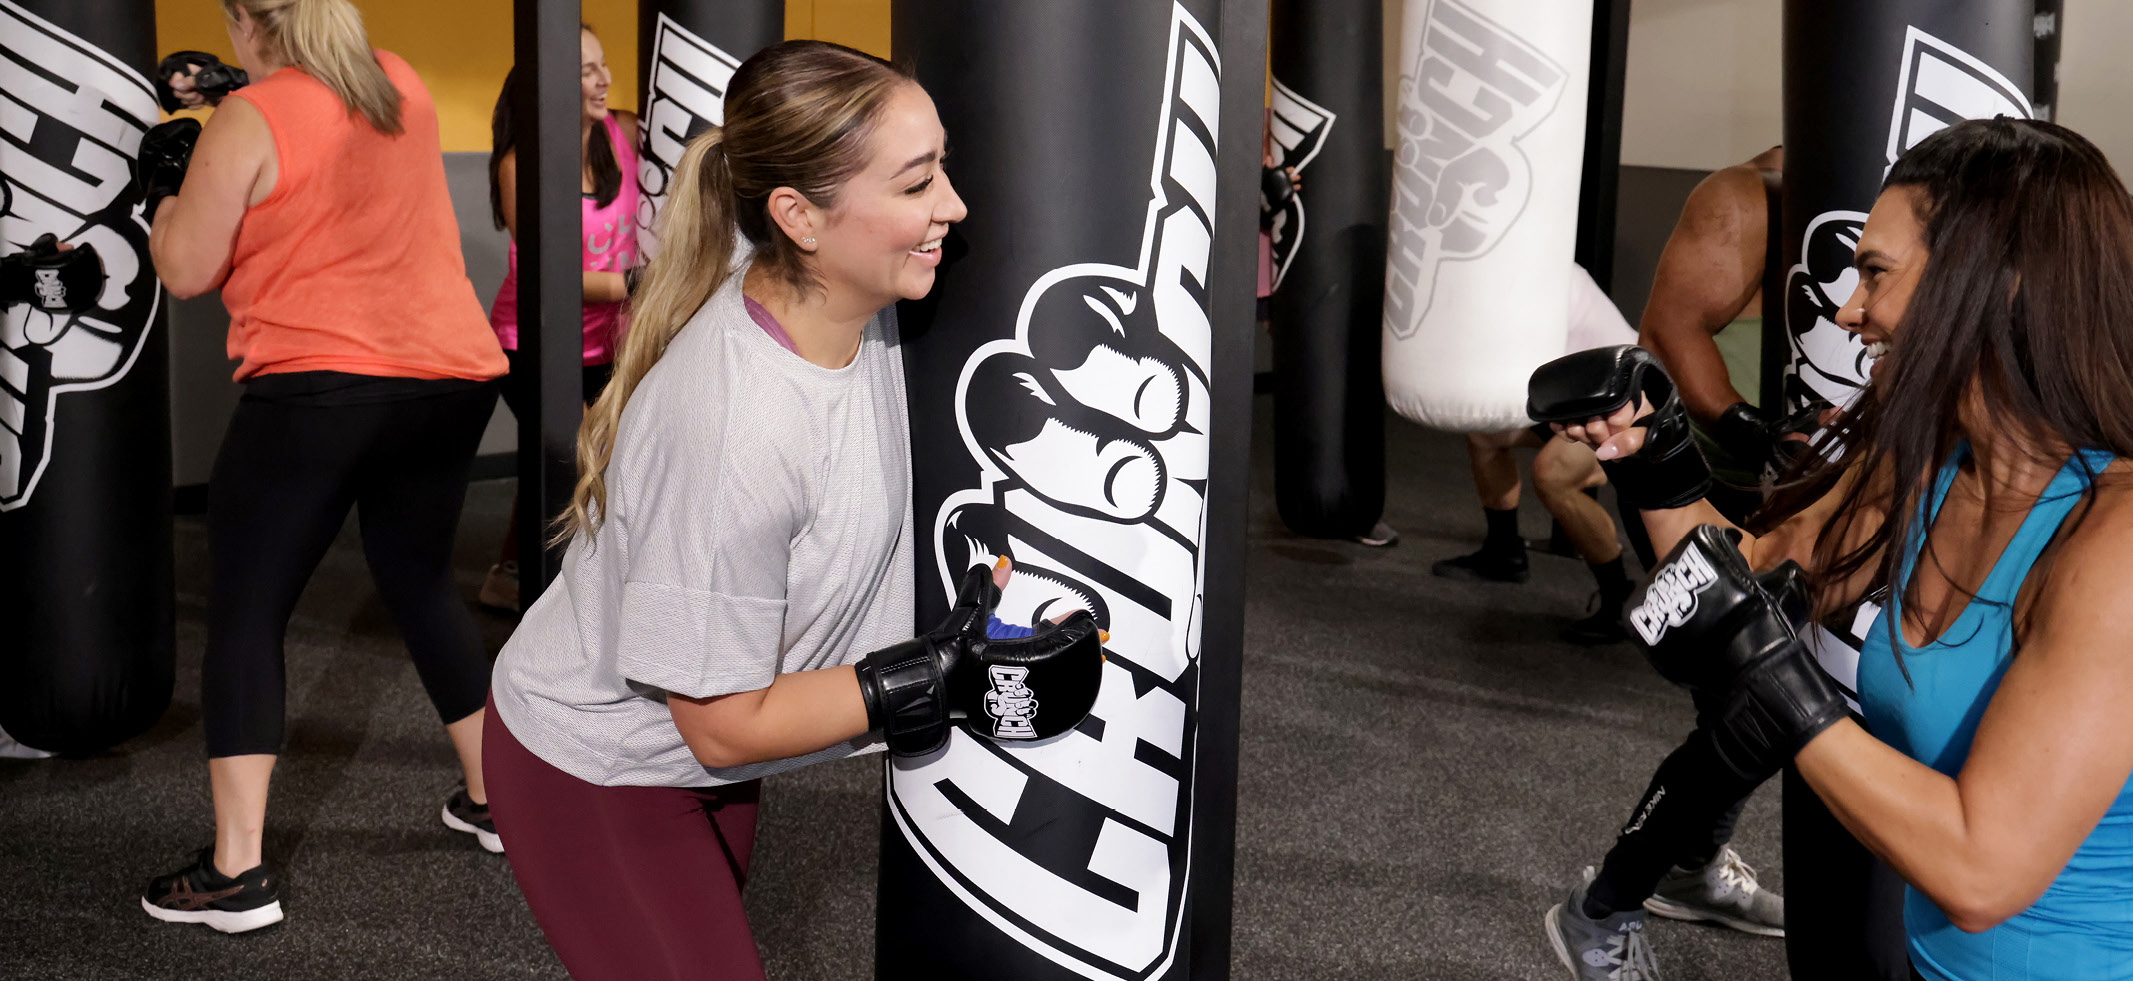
point(1709, 271)
point(2051, 752)
point(599, 287)
point(193, 234)
point(798, 714)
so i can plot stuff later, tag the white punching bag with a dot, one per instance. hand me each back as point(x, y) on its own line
point(1490, 142)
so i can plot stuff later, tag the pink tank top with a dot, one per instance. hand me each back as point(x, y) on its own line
point(609, 245)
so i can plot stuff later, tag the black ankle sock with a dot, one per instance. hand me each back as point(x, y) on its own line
point(1503, 531)
point(1614, 581)
point(1593, 908)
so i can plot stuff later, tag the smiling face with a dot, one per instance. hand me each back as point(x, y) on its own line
point(882, 241)
point(1890, 258)
point(593, 77)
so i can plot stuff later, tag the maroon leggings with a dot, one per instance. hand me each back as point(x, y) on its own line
point(629, 883)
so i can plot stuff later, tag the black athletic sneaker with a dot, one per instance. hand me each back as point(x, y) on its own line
point(1486, 565)
point(198, 893)
point(462, 814)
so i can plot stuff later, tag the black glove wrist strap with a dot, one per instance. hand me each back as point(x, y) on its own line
point(906, 696)
point(1669, 472)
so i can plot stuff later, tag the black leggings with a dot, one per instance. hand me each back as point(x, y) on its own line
point(519, 384)
point(288, 471)
point(1844, 908)
point(1684, 818)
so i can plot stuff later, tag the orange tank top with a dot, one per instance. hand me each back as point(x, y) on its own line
point(352, 262)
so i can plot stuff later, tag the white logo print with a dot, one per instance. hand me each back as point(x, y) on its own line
point(689, 79)
point(1938, 85)
point(71, 119)
point(1671, 598)
point(1459, 180)
point(1011, 704)
point(1300, 128)
point(51, 293)
point(1090, 426)
point(1943, 85)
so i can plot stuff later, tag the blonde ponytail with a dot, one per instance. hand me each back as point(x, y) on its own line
point(326, 39)
point(696, 236)
point(798, 115)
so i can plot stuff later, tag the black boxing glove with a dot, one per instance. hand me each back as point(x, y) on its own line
point(1751, 434)
point(1033, 687)
point(1708, 623)
point(1747, 433)
point(49, 279)
point(1669, 472)
point(1276, 187)
point(214, 81)
point(159, 170)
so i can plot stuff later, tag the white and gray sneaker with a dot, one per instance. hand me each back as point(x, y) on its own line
point(1613, 949)
point(1723, 892)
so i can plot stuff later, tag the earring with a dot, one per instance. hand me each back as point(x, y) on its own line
point(808, 242)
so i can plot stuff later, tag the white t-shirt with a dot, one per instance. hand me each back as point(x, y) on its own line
point(758, 522)
point(1594, 319)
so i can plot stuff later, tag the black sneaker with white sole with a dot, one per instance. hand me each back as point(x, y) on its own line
point(462, 814)
point(198, 893)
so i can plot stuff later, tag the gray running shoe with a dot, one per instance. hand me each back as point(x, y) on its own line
point(1724, 892)
point(1612, 949)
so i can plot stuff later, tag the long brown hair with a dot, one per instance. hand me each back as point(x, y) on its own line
point(326, 39)
point(2022, 320)
point(506, 122)
point(798, 115)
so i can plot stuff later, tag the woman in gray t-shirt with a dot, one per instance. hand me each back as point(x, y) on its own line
point(741, 535)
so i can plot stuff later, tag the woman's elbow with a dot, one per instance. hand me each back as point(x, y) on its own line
point(185, 289)
point(717, 742)
point(183, 281)
point(718, 754)
point(1979, 906)
point(1978, 917)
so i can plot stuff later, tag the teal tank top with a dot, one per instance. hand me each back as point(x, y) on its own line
point(2082, 927)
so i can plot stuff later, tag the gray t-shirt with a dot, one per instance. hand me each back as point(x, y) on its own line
point(758, 522)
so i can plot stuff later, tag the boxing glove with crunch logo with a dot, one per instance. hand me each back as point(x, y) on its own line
point(1710, 624)
point(1011, 688)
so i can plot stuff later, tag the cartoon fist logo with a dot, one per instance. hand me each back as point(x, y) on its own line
point(72, 126)
point(1089, 426)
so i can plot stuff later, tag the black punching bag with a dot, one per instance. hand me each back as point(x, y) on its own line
point(2049, 29)
point(1862, 83)
point(1329, 265)
point(1060, 376)
point(688, 50)
point(85, 530)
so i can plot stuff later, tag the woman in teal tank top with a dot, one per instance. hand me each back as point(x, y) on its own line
point(1980, 479)
point(1932, 716)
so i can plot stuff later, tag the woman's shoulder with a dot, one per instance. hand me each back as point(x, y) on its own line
point(2100, 531)
point(394, 65)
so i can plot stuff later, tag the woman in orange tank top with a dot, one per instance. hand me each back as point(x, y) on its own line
point(315, 200)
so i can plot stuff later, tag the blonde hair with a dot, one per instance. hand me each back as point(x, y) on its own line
point(798, 115)
point(326, 39)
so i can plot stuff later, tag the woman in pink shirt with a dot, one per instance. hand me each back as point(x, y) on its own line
point(609, 191)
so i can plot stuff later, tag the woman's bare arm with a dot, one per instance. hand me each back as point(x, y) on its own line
point(599, 287)
point(2051, 753)
point(193, 234)
point(798, 714)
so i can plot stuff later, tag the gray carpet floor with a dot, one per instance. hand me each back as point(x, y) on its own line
point(1425, 770)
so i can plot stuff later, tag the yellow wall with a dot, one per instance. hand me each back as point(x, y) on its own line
point(462, 48)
